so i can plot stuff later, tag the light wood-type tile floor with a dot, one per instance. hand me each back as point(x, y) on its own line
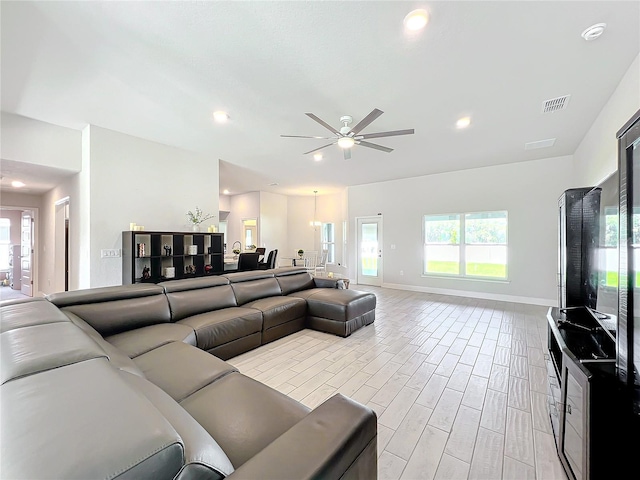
point(459, 384)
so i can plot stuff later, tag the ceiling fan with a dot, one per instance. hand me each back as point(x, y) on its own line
point(347, 137)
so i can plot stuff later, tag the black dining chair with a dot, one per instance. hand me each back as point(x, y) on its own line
point(261, 252)
point(248, 261)
point(270, 262)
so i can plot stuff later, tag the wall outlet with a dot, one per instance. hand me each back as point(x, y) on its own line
point(110, 253)
point(393, 246)
point(401, 272)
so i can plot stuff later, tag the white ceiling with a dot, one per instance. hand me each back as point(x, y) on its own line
point(157, 70)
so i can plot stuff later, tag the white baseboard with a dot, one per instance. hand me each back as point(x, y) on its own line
point(466, 293)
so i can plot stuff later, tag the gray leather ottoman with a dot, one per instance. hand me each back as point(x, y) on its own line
point(340, 312)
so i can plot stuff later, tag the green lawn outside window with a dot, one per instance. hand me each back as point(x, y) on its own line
point(473, 269)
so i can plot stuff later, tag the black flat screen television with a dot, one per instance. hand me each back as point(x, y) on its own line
point(601, 223)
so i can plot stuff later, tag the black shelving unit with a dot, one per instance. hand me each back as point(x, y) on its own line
point(190, 254)
point(584, 396)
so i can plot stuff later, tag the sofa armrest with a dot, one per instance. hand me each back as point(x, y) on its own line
point(338, 439)
point(322, 282)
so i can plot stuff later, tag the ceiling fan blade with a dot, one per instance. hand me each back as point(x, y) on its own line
point(375, 113)
point(388, 134)
point(320, 148)
point(303, 136)
point(375, 145)
point(347, 153)
point(323, 123)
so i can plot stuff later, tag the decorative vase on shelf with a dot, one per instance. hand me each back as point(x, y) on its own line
point(196, 217)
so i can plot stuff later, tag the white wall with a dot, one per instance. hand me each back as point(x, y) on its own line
point(300, 232)
point(225, 202)
point(529, 191)
point(329, 209)
point(597, 155)
point(273, 222)
point(51, 278)
point(241, 207)
point(31, 141)
point(136, 180)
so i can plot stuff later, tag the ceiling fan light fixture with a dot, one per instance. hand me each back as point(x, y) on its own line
point(346, 142)
point(220, 116)
point(416, 20)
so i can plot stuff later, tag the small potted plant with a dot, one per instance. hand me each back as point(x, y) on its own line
point(197, 217)
point(301, 253)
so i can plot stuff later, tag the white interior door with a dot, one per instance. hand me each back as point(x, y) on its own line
point(369, 251)
point(26, 254)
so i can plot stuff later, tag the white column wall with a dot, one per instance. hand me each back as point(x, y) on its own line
point(136, 180)
point(273, 222)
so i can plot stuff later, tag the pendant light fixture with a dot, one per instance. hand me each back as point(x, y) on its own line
point(315, 223)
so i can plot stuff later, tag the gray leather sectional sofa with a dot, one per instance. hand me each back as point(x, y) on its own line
point(130, 382)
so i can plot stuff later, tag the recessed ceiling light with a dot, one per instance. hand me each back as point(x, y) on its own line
point(594, 31)
point(317, 157)
point(463, 122)
point(273, 184)
point(220, 116)
point(346, 142)
point(17, 184)
point(416, 20)
point(225, 191)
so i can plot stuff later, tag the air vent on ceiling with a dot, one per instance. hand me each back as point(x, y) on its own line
point(555, 104)
point(549, 142)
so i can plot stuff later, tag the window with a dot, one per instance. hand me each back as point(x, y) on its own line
point(466, 244)
point(344, 243)
point(328, 241)
point(5, 239)
point(610, 248)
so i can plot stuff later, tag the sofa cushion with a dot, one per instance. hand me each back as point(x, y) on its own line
point(294, 279)
point(192, 296)
point(203, 456)
point(251, 290)
point(141, 340)
point(306, 293)
point(223, 326)
point(83, 421)
point(181, 369)
point(279, 310)
point(23, 313)
point(243, 415)
point(111, 310)
point(38, 348)
point(340, 305)
point(117, 358)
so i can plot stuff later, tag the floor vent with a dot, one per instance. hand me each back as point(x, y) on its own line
point(555, 104)
point(549, 142)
